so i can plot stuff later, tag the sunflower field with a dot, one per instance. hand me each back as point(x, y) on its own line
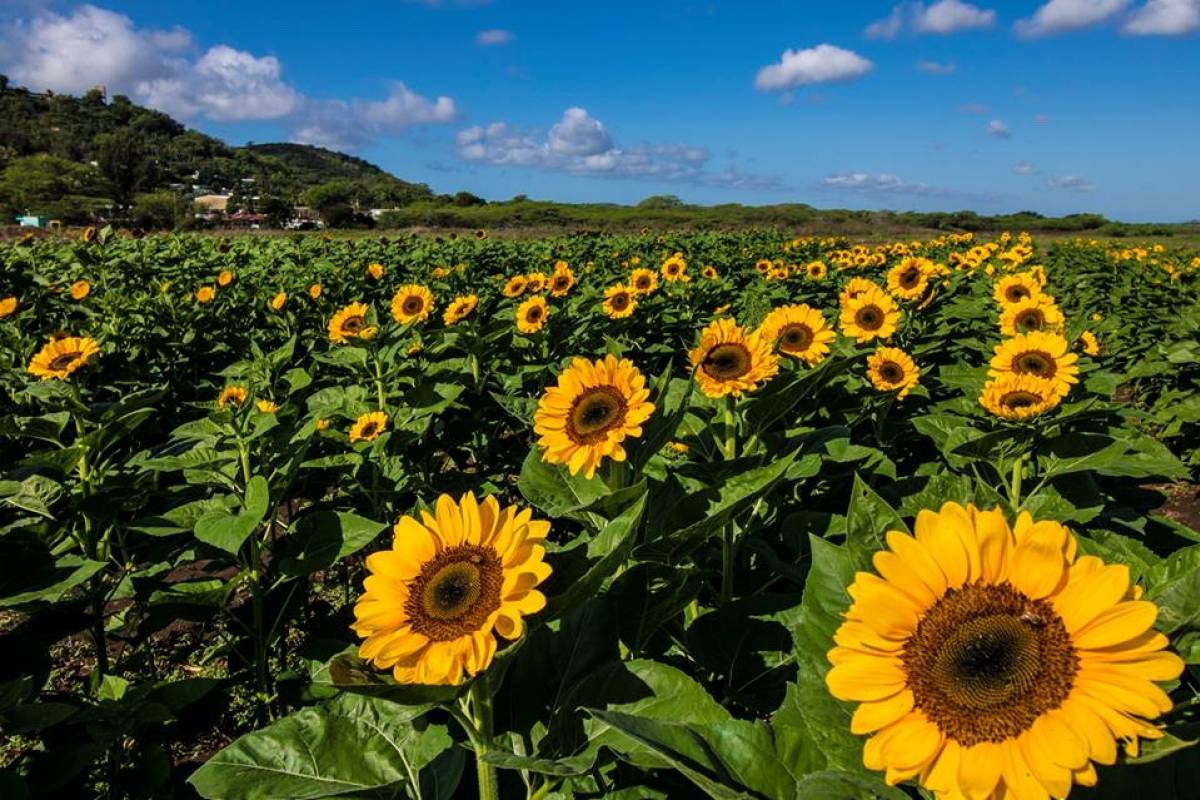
point(728, 514)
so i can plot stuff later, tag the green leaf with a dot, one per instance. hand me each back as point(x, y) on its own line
point(351, 745)
point(869, 516)
point(226, 531)
point(323, 538)
point(49, 585)
point(555, 491)
point(610, 548)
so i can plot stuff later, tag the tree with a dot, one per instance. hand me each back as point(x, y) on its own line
point(122, 157)
point(55, 187)
point(466, 199)
point(661, 201)
point(157, 210)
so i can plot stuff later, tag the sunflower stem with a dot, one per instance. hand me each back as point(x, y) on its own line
point(615, 477)
point(1014, 493)
point(728, 550)
point(481, 714)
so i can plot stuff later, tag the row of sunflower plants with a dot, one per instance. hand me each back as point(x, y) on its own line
point(594, 515)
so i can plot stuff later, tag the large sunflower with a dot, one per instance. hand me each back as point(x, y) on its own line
point(1043, 355)
point(1015, 288)
point(990, 663)
point(619, 301)
point(1037, 313)
point(532, 314)
point(561, 280)
point(412, 303)
point(798, 331)
point(1015, 396)
point(60, 357)
point(461, 308)
point(890, 369)
point(591, 411)
point(643, 281)
point(675, 269)
point(350, 322)
point(730, 361)
point(870, 315)
point(909, 279)
point(450, 583)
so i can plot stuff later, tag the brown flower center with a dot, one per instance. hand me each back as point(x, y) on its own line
point(369, 430)
point(619, 302)
point(412, 305)
point(727, 362)
point(534, 314)
point(869, 318)
point(1031, 319)
point(1015, 401)
point(910, 278)
point(455, 593)
point(595, 413)
point(986, 661)
point(795, 338)
point(891, 372)
point(642, 283)
point(1016, 293)
point(352, 324)
point(65, 360)
point(1035, 362)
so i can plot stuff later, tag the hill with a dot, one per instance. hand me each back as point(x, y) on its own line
point(71, 157)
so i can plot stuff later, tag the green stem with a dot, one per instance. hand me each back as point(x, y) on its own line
point(481, 714)
point(380, 392)
point(727, 535)
point(730, 445)
point(1014, 493)
point(615, 476)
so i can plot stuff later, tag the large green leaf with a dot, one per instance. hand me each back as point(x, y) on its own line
point(555, 491)
point(323, 538)
point(353, 745)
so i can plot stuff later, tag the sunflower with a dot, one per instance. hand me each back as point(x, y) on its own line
point(709, 273)
point(8, 306)
point(205, 294)
point(619, 301)
point(314, 291)
point(1043, 355)
point(231, 394)
point(908, 279)
point(267, 406)
point(856, 286)
point(730, 361)
point(80, 290)
point(375, 270)
point(536, 282)
point(350, 322)
point(591, 411)
point(435, 602)
point(412, 303)
point(675, 269)
point(891, 369)
point(1017, 397)
point(532, 314)
point(225, 278)
point(643, 281)
point(872, 314)
point(516, 286)
point(59, 357)
point(798, 331)
point(88, 235)
point(1087, 340)
point(1038, 313)
point(481, 234)
point(989, 662)
point(816, 270)
point(1015, 288)
point(278, 300)
point(460, 308)
point(763, 266)
point(368, 427)
point(561, 280)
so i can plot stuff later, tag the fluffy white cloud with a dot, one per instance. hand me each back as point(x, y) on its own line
point(580, 144)
point(1060, 16)
point(1073, 183)
point(997, 129)
point(94, 46)
point(821, 64)
point(882, 183)
point(941, 17)
point(936, 67)
point(494, 37)
point(1165, 18)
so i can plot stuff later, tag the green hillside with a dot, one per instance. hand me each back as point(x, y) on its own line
point(72, 157)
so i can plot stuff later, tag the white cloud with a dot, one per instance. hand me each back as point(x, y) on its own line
point(820, 64)
point(94, 46)
point(1072, 183)
point(882, 183)
point(997, 129)
point(1060, 16)
point(1165, 18)
point(1024, 168)
point(941, 17)
point(948, 16)
point(580, 144)
point(936, 67)
point(494, 37)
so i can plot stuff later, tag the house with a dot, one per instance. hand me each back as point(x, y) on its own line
point(213, 203)
point(33, 221)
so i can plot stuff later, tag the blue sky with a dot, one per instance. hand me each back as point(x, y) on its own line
point(1061, 106)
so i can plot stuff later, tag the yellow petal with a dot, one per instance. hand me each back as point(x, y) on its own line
point(1087, 596)
point(873, 715)
point(1038, 564)
point(1117, 624)
point(995, 544)
point(1053, 735)
point(915, 743)
point(919, 560)
point(979, 770)
point(1019, 781)
point(942, 773)
point(866, 678)
point(1102, 747)
point(1055, 778)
